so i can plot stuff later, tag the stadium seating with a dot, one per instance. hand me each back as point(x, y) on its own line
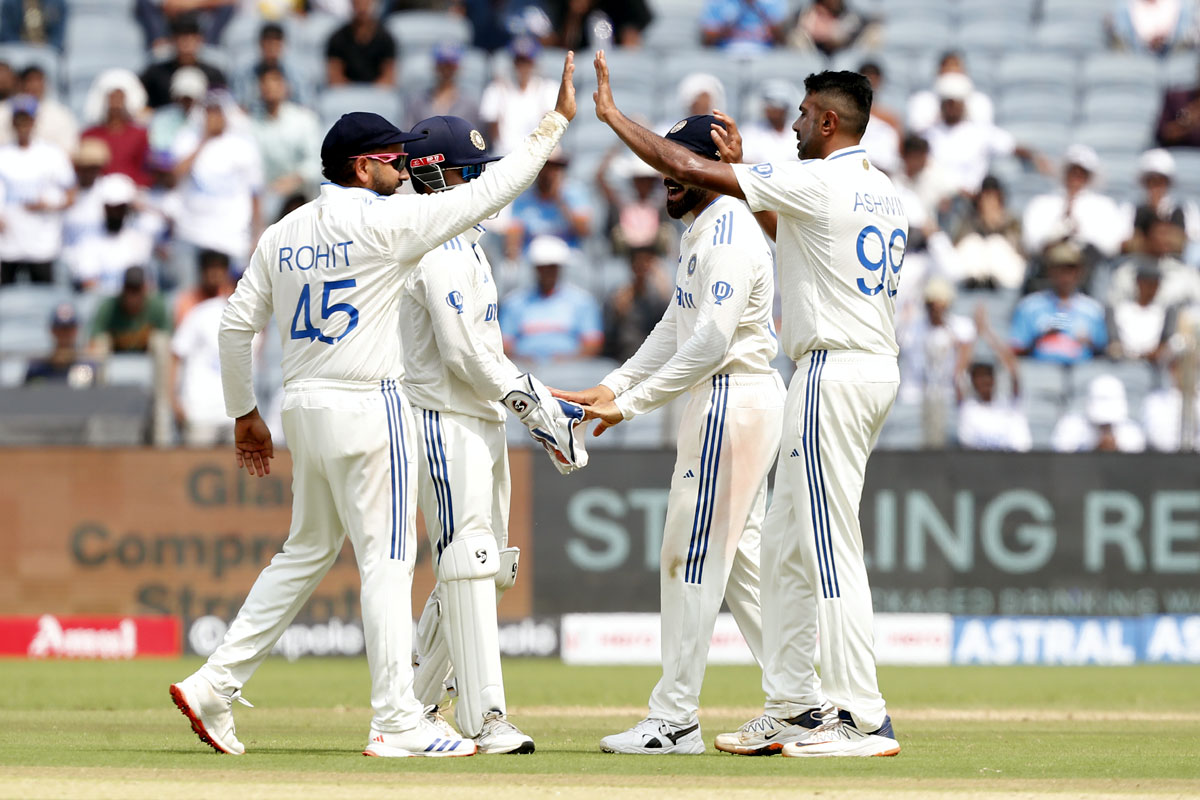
point(19, 55)
point(338, 100)
point(421, 30)
point(1045, 70)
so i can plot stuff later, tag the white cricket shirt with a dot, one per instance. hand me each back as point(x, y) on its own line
point(333, 270)
point(840, 248)
point(719, 319)
point(453, 352)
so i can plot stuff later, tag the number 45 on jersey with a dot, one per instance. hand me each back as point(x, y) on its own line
point(304, 309)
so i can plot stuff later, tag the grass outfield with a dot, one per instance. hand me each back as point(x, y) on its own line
point(108, 730)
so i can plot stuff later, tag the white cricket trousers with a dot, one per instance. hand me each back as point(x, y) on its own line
point(814, 578)
point(728, 437)
point(353, 472)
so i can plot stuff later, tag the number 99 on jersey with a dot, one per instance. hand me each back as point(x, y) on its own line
point(875, 252)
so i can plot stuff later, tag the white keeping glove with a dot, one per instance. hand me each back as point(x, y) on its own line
point(554, 424)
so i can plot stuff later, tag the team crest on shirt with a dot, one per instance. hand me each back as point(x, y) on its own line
point(678, 126)
point(763, 169)
point(477, 140)
point(866, 164)
point(722, 291)
point(691, 265)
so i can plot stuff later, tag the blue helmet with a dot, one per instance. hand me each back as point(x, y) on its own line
point(445, 143)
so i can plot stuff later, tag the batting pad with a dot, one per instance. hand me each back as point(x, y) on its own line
point(431, 654)
point(467, 573)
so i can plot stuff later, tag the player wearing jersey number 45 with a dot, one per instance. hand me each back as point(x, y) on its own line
point(715, 343)
point(332, 273)
point(841, 233)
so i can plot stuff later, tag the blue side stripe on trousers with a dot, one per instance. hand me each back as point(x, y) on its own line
point(829, 560)
point(444, 470)
point(439, 476)
point(392, 456)
point(812, 388)
point(712, 482)
point(399, 467)
point(710, 455)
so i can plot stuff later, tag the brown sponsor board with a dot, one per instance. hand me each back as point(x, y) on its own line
point(139, 531)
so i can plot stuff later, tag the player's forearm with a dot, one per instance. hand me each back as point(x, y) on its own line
point(671, 159)
point(234, 344)
point(654, 352)
point(694, 362)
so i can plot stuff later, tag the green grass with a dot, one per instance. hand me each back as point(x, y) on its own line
point(108, 729)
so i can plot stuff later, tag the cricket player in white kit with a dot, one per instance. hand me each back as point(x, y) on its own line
point(840, 234)
point(715, 342)
point(456, 374)
point(332, 273)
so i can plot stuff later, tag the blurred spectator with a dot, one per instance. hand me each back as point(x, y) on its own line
point(289, 141)
point(1076, 213)
point(188, 89)
point(186, 42)
point(160, 17)
point(1162, 411)
point(220, 178)
point(882, 137)
point(1151, 26)
point(85, 217)
point(1179, 118)
point(195, 381)
point(828, 26)
point(638, 221)
point(446, 98)
point(551, 319)
point(99, 261)
point(272, 45)
point(65, 364)
point(511, 108)
point(772, 138)
point(924, 107)
point(552, 206)
point(214, 281)
point(37, 185)
point(964, 147)
point(95, 104)
point(632, 311)
point(8, 81)
point(924, 177)
point(1138, 328)
point(131, 321)
point(496, 23)
point(361, 51)
point(1180, 283)
point(699, 93)
point(1060, 324)
point(987, 421)
point(1104, 425)
point(55, 122)
point(33, 22)
point(588, 25)
point(743, 26)
point(128, 142)
point(988, 242)
point(935, 346)
point(1156, 169)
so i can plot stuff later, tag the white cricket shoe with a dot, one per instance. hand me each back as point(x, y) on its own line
point(841, 737)
point(427, 739)
point(210, 712)
point(433, 715)
point(766, 735)
point(656, 737)
point(501, 736)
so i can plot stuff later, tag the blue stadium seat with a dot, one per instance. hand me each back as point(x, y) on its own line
point(12, 370)
point(1138, 377)
point(1036, 104)
point(1043, 382)
point(421, 30)
point(1075, 12)
point(998, 304)
point(1187, 169)
point(902, 430)
point(338, 100)
point(789, 65)
point(129, 369)
point(1115, 138)
point(416, 71)
point(1052, 136)
point(1115, 71)
point(1070, 36)
point(1048, 70)
point(1043, 415)
point(1129, 103)
point(93, 34)
point(25, 339)
point(917, 35)
point(313, 31)
point(673, 29)
point(996, 36)
point(990, 11)
point(1180, 70)
point(30, 304)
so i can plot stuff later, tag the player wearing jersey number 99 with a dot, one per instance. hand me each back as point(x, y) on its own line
point(333, 272)
point(840, 231)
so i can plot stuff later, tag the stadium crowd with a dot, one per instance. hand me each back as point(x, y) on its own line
point(1046, 153)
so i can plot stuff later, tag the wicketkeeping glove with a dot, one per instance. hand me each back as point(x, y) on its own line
point(554, 424)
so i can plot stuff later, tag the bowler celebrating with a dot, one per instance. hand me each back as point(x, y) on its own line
point(332, 273)
point(714, 342)
point(841, 235)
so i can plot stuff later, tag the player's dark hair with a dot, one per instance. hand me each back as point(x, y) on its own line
point(212, 258)
point(850, 90)
point(981, 366)
point(914, 143)
point(270, 30)
point(340, 171)
point(32, 69)
point(262, 70)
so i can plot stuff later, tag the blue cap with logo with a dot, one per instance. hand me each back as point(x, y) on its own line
point(445, 143)
point(695, 133)
point(360, 132)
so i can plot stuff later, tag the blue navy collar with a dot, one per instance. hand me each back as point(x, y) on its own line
point(846, 151)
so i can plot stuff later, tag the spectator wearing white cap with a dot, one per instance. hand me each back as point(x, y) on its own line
point(924, 107)
point(511, 106)
point(1076, 213)
point(698, 93)
point(551, 320)
point(771, 138)
point(1103, 425)
point(1162, 411)
point(189, 86)
point(1156, 173)
point(98, 261)
point(37, 184)
point(966, 147)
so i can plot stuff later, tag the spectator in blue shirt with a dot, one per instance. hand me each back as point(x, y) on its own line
point(743, 25)
point(551, 207)
point(551, 319)
point(1060, 324)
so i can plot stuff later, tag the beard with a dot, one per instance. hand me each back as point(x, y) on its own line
point(681, 199)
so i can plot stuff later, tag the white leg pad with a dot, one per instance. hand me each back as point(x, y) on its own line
point(506, 576)
point(431, 654)
point(467, 576)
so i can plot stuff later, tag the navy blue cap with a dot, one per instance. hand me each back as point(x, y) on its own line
point(525, 47)
point(447, 142)
point(360, 132)
point(695, 133)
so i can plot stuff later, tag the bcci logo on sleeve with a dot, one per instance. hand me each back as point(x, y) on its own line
point(722, 291)
point(691, 266)
point(455, 301)
point(763, 169)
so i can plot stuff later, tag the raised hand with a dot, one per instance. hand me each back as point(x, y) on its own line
point(728, 139)
point(566, 90)
point(585, 397)
point(605, 106)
